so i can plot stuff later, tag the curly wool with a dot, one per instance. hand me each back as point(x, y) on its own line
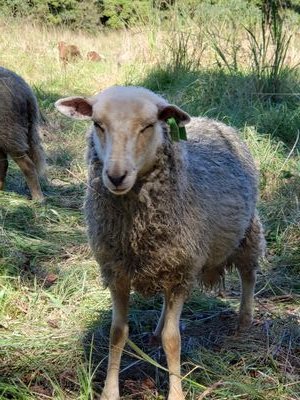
point(183, 220)
point(19, 119)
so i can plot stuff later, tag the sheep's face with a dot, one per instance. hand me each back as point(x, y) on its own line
point(61, 45)
point(127, 132)
point(127, 135)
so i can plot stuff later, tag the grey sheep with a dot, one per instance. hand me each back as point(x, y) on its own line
point(162, 216)
point(19, 137)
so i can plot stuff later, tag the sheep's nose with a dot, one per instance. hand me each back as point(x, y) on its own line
point(117, 179)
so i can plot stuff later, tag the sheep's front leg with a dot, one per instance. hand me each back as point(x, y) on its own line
point(118, 336)
point(172, 343)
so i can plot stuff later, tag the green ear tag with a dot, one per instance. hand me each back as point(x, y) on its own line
point(182, 133)
point(174, 129)
point(177, 133)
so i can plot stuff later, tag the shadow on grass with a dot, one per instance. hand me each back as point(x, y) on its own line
point(231, 97)
point(195, 326)
point(35, 235)
point(209, 343)
point(57, 191)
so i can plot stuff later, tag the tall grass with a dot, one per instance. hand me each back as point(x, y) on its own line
point(269, 47)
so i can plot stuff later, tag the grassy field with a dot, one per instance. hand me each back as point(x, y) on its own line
point(54, 314)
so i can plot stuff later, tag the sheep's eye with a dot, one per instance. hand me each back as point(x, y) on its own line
point(97, 125)
point(146, 127)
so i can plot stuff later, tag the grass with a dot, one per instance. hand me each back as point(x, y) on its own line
point(54, 314)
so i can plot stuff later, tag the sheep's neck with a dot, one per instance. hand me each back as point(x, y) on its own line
point(164, 174)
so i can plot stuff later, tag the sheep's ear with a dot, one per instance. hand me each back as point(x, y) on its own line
point(75, 107)
point(172, 111)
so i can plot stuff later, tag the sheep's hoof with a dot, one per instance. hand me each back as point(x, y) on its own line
point(39, 199)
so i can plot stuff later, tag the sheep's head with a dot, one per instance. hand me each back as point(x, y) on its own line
point(128, 130)
point(61, 45)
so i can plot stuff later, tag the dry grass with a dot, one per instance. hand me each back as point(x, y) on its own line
point(54, 315)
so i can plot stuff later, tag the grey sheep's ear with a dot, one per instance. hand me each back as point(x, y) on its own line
point(172, 111)
point(75, 107)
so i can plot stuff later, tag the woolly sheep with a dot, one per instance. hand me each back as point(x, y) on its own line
point(68, 52)
point(162, 215)
point(94, 56)
point(19, 137)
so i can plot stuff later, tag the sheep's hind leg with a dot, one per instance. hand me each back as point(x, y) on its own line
point(246, 260)
point(27, 166)
point(156, 337)
point(118, 336)
point(248, 280)
point(3, 168)
point(172, 343)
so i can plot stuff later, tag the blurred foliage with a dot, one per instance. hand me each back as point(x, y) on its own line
point(77, 14)
point(92, 15)
point(124, 13)
point(89, 15)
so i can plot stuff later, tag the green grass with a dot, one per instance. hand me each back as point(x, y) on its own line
point(54, 314)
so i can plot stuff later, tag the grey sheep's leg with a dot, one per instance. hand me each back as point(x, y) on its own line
point(118, 336)
point(3, 168)
point(246, 260)
point(171, 342)
point(248, 280)
point(28, 168)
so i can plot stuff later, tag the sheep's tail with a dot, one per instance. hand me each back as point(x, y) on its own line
point(36, 151)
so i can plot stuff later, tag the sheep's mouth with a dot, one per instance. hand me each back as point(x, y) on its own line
point(119, 191)
point(124, 187)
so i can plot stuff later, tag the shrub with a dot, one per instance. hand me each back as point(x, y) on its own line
point(76, 14)
point(124, 13)
point(81, 14)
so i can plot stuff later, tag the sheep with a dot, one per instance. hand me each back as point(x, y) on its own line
point(19, 137)
point(94, 56)
point(163, 215)
point(68, 52)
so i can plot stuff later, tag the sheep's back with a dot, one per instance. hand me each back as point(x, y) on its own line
point(223, 178)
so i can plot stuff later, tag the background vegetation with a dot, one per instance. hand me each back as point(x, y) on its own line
point(94, 15)
point(232, 60)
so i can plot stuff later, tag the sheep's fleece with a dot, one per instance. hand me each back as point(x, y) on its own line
point(19, 119)
point(185, 219)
